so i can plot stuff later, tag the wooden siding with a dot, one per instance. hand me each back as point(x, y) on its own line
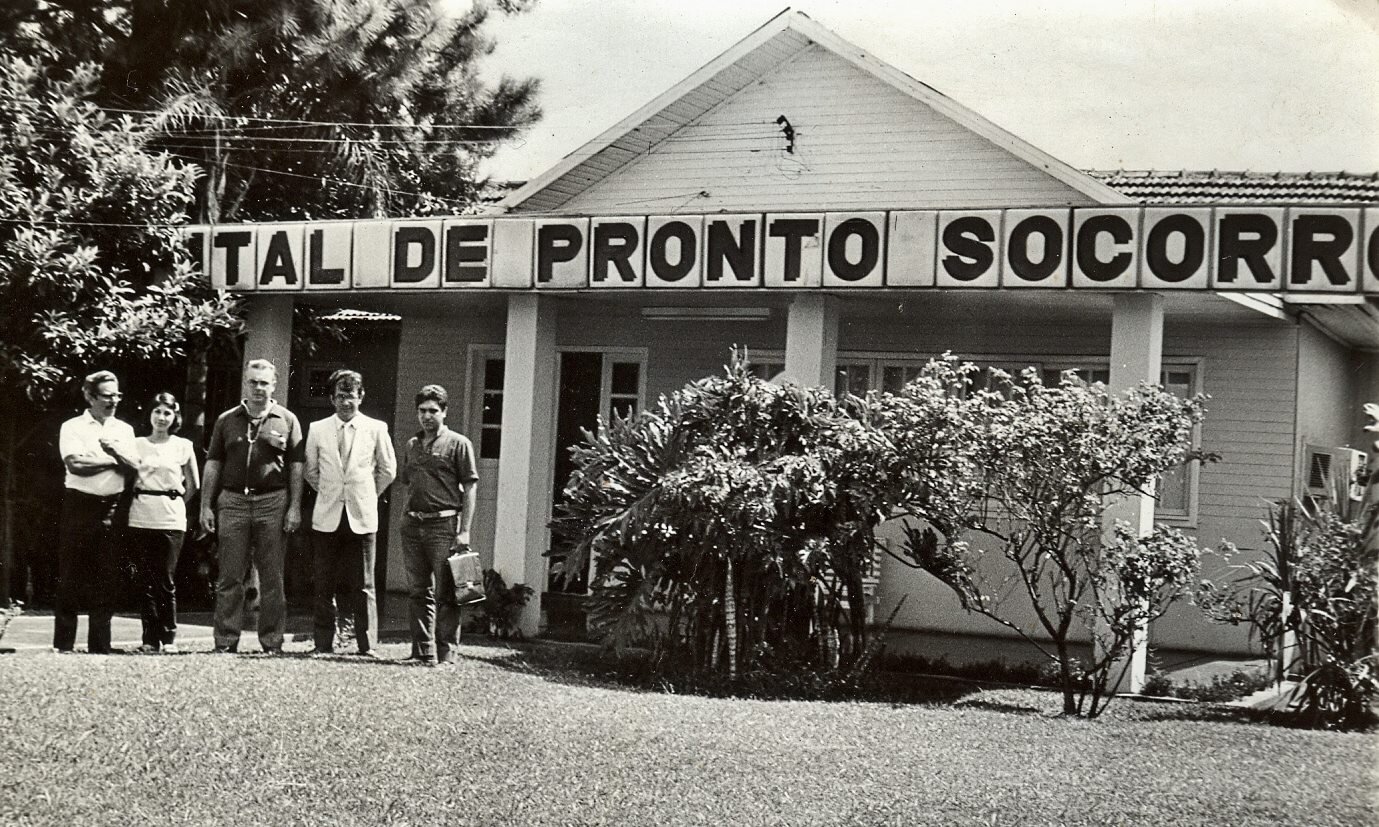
point(681, 110)
point(860, 144)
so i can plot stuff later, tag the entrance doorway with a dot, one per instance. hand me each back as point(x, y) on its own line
point(590, 383)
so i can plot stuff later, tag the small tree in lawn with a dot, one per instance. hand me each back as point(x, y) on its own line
point(91, 274)
point(730, 525)
point(1013, 514)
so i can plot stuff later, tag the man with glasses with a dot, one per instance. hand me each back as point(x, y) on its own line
point(251, 500)
point(96, 450)
point(349, 462)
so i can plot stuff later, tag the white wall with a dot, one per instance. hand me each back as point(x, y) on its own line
point(859, 143)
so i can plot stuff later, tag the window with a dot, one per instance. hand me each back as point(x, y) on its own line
point(1176, 490)
point(765, 371)
point(894, 377)
point(624, 388)
point(853, 378)
point(1090, 375)
point(490, 401)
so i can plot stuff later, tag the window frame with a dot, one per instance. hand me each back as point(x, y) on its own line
point(879, 361)
point(478, 357)
point(1194, 365)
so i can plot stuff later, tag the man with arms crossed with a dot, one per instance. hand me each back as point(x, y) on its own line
point(94, 446)
point(252, 499)
point(349, 461)
point(439, 471)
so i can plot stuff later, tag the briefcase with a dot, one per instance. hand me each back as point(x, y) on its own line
point(467, 575)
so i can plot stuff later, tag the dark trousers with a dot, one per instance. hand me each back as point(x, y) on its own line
point(343, 563)
point(87, 569)
point(426, 545)
point(155, 553)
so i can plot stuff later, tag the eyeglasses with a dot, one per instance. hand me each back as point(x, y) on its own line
point(110, 397)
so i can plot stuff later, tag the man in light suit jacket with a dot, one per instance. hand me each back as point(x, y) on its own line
point(349, 462)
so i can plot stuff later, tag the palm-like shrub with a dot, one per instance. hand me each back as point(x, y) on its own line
point(731, 525)
point(1318, 589)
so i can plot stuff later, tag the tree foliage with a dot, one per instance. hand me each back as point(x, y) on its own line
point(730, 526)
point(308, 108)
point(91, 271)
point(1010, 487)
point(90, 265)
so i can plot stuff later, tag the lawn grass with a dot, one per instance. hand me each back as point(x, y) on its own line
point(515, 738)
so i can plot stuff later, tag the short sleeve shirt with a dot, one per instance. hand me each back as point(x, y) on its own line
point(254, 454)
point(435, 474)
point(81, 435)
point(161, 467)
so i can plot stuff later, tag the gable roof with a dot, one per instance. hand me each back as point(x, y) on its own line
point(1217, 187)
point(780, 39)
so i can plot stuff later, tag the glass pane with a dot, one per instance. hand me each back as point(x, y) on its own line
point(490, 443)
point(765, 370)
point(1177, 382)
point(854, 379)
point(493, 374)
point(1173, 492)
point(622, 406)
point(625, 377)
point(892, 378)
point(493, 408)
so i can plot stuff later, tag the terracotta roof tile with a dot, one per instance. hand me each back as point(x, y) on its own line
point(1217, 187)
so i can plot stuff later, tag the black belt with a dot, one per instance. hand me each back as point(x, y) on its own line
point(434, 515)
point(175, 495)
point(105, 498)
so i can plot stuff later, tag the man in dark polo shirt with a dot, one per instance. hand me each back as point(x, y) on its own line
point(251, 499)
point(439, 471)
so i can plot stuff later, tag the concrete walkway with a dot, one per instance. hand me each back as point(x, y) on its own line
point(32, 632)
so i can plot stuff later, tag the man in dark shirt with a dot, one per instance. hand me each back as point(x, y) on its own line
point(251, 499)
point(439, 471)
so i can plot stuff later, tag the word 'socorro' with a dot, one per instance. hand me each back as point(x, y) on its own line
point(1266, 249)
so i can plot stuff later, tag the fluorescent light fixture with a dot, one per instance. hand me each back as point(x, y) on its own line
point(698, 314)
point(1323, 298)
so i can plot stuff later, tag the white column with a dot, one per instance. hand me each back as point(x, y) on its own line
point(811, 340)
point(1137, 343)
point(527, 454)
point(268, 335)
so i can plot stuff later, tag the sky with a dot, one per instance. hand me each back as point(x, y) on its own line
point(1263, 85)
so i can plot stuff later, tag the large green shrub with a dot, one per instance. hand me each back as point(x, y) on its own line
point(730, 525)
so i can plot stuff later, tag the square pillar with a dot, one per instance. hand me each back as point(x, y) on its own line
point(1137, 343)
point(268, 335)
point(811, 341)
point(527, 454)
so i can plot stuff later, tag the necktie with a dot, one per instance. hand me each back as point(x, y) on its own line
point(346, 434)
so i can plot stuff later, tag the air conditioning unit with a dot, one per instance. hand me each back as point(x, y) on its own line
point(1332, 473)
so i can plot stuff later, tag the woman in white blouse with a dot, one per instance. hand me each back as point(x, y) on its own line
point(167, 480)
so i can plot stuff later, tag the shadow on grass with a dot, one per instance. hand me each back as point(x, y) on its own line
point(998, 706)
point(587, 665)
